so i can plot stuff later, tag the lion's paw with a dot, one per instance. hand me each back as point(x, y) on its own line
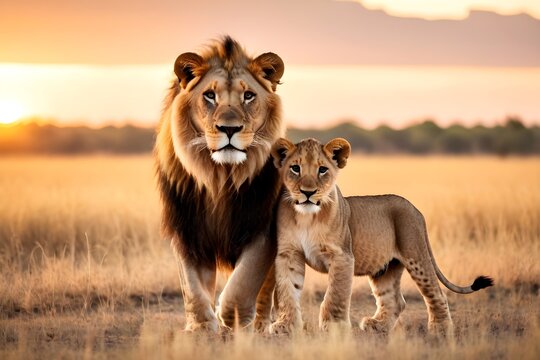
point(210, 326)
point(281, 328)
point(371, 325)
point(261, 325)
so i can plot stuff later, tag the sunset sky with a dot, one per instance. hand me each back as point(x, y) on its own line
point(372, 61)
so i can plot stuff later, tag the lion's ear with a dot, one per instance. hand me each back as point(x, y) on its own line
point(280, 150)
point(187, 66)
point(270, 67)
point(338, 150)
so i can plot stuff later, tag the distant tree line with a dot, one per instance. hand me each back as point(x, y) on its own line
point(50, 139)
point(511, 138)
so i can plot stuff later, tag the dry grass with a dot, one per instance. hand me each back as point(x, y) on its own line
point(84, 271)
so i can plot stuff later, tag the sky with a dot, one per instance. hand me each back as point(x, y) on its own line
point(307, 32)
point(370, 61)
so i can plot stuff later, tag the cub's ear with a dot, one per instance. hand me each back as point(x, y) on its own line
point(338, 150)
point(270, 67)
point(280, 150)
point(188, 66)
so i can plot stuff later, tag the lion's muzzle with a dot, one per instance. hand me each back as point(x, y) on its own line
point(229, 150)
point(228, 144)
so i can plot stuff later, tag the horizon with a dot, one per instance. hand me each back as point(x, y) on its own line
point(510, 138)
point(43, 121)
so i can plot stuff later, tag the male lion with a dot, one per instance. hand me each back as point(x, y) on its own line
point(377, 236)
point(217, 183)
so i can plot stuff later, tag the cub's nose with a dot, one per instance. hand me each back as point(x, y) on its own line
point(308, 193)
point(229, 130)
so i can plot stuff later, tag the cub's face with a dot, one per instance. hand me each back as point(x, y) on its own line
point(309, 170)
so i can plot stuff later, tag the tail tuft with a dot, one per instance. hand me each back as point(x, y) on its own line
point(481, 282)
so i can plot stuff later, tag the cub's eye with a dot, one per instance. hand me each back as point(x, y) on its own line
point(249, 96)
point(295, 169)
point(323, 170)
point(210, 96)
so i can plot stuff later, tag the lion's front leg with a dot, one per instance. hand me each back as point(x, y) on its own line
point(335, 307)
point(238, 298)
point(198, 290)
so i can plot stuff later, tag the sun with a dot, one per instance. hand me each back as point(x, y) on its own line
point(10, 111)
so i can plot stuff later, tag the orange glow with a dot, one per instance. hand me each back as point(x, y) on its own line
point(10, 111)
point(313, 96)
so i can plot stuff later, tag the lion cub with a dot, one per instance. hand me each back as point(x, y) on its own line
point(377, 236)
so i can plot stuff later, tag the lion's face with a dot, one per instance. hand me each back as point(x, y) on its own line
point(229, 112)
point(228, 99)
point(309, 170)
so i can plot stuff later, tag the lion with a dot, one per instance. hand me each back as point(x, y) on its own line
point(218, 186)
point(377, 236)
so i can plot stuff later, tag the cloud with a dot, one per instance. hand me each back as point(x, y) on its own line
point(454, 9)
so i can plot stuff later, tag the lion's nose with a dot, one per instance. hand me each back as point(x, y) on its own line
point(230, 130)
point(308, 193)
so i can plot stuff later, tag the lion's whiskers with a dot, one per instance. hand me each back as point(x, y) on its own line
point(200, 149)
point(260, 140)
point(198, 141)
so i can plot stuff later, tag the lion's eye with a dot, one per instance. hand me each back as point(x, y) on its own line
point(295, 169)
point(323, 170)
point(249, 96)
point(210, 96)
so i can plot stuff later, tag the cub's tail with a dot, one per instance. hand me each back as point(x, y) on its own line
point(479, 283)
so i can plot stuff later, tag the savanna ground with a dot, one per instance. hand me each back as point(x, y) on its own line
point(85, 273)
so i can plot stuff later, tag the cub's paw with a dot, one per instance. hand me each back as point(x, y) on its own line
point(441, 332)
point(328, 321)
point(332, 325)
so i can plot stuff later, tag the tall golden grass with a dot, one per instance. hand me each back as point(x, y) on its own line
point(81, 257)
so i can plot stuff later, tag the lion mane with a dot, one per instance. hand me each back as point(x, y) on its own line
point(213, 211)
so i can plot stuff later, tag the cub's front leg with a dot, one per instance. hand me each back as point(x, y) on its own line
point(336, 305)
point(290, 273)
